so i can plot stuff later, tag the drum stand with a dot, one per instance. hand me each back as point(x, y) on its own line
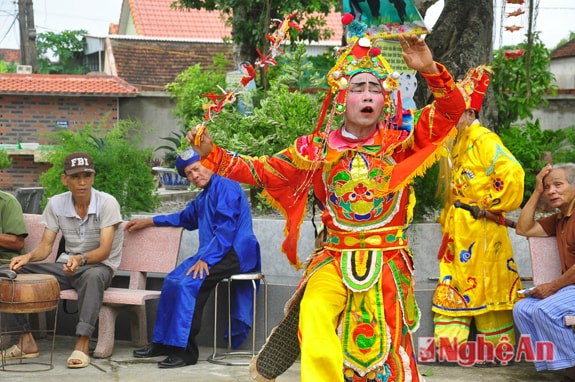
point(12, 302)
point(20, 364)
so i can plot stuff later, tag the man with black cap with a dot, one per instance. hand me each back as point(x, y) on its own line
point(90, 221)
point(227, 245)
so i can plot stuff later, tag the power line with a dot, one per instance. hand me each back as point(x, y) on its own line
point(15, 17)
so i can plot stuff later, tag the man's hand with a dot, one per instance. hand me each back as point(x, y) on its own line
point(72, 265)
point(201, 268)
point(543, 290)
point(417, 55)
point(137, 224)
point(539, 178)
point(18, 262)
point(200, 134)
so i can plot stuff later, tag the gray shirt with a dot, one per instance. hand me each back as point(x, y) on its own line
point(83, 235)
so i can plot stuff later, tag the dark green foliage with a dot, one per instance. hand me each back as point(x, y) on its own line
point(520, 85)
point(250, 20)
point(564, 146)
point(122, 169)
point(190, 84)
point(426, 196)
point(299, 71)
point(67, 48)
point(529, 144)
point(173, 149)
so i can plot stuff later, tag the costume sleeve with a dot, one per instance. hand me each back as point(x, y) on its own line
point(434, 124)
point(503, 174)
point(436, 120)
point(276, 171)
point(286, 182)
point(186, 218)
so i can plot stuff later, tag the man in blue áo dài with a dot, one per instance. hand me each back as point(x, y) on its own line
point(227, 245)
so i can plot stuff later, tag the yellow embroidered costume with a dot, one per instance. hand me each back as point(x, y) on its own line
point(478, 274)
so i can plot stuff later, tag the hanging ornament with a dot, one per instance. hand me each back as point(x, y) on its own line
point(512, 54)
point(513, 28)
point(517, 12)
point(514, 15)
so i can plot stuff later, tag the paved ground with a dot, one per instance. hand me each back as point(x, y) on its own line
point(123, 367)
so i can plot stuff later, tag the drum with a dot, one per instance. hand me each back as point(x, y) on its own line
point(29, 294)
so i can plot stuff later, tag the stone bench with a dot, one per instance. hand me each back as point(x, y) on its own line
point(546, 265)
point(153, 250)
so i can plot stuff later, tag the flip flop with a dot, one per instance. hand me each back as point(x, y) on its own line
point(79, 356)
point(14, 352)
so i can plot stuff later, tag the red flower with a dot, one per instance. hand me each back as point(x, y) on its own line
point(375, 52)
point(347, 18)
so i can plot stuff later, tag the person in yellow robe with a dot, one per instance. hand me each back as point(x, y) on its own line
point(478, 276)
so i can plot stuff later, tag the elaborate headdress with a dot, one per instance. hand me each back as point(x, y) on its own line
point(474, 86)
point(361, 55)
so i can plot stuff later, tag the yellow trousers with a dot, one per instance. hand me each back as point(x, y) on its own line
point(321, 350)
point(492, 325)
point(321, 308)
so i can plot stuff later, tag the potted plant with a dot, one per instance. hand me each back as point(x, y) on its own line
point(167, 173)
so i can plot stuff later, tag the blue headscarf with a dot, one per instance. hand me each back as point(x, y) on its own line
point(185, 159)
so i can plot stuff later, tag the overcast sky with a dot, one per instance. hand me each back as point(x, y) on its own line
point(554, 20)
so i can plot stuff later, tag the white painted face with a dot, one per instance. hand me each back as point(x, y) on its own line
point(364, 103)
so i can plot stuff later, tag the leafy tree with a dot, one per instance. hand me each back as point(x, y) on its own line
point(67, 47)
point(250, 20)
point(516, 94)
point(122, 169)
point(190, 84)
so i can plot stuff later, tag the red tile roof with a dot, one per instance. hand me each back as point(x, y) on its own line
point(155, 18)
point(65, 84)
point(152, 63)
point(566, 50)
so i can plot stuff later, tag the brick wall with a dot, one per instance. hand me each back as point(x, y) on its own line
point(30, 117)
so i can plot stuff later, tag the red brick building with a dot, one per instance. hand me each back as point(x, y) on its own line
point(34, 104)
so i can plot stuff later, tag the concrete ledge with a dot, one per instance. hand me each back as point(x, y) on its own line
point(282, 278)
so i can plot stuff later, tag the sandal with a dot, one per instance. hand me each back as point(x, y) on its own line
point(496, 363)
point(14, 352)
point(78, 356)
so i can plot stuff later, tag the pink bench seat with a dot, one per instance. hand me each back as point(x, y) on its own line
point(545, 264)
point(152, 250)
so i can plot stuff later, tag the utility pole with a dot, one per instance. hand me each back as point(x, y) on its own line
point(28, 53)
